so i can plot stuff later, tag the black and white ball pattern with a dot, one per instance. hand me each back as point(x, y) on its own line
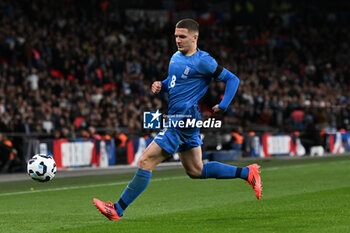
point(41, 167)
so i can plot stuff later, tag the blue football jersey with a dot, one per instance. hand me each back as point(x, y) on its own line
point(188, 80)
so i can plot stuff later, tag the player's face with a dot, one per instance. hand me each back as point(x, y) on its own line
point(186, 41)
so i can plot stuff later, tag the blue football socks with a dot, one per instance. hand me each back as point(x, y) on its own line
point(142, 177)
point(223, 171)
point(133, 190)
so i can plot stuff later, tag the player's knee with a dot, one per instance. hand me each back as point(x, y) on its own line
point(144, 163)
point(194, 173)
point(147, 162)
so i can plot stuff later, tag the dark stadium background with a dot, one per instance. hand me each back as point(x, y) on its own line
point(83, 69)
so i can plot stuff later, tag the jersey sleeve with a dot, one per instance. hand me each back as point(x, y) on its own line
point(207, 65)
point(165, 85)
point(232, 83)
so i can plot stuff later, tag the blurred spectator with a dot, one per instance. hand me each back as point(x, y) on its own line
point(93, 134)
point(120, 139)
point(298, 118)
point(237, 139)
point(8, 155)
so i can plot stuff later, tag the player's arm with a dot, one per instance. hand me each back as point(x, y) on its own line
point(232, 82)
point(158, 86)
point(208, 66)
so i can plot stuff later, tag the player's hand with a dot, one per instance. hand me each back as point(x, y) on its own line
point(156, 87)
point(216, 109)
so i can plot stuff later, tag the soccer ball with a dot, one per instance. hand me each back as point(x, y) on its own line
point(41, 167)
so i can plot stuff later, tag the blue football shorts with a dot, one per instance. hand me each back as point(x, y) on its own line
point(176, 140)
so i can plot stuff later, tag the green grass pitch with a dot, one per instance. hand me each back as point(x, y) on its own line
point(308, 195)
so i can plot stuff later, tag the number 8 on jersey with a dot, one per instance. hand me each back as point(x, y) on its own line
point(172, 83)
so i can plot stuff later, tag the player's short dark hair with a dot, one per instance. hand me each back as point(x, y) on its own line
point(190, 24)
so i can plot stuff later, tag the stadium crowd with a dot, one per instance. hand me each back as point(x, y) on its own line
point(64, 68)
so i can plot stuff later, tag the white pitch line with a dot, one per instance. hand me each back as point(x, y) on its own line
point(88, 186)
point(100, 185)
point(155, 179)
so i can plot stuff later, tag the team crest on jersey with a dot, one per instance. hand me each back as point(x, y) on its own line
point(186, 72)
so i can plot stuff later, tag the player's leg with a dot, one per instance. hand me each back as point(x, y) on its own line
point(152, 156)
point(192, 162)
point(194, 167)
